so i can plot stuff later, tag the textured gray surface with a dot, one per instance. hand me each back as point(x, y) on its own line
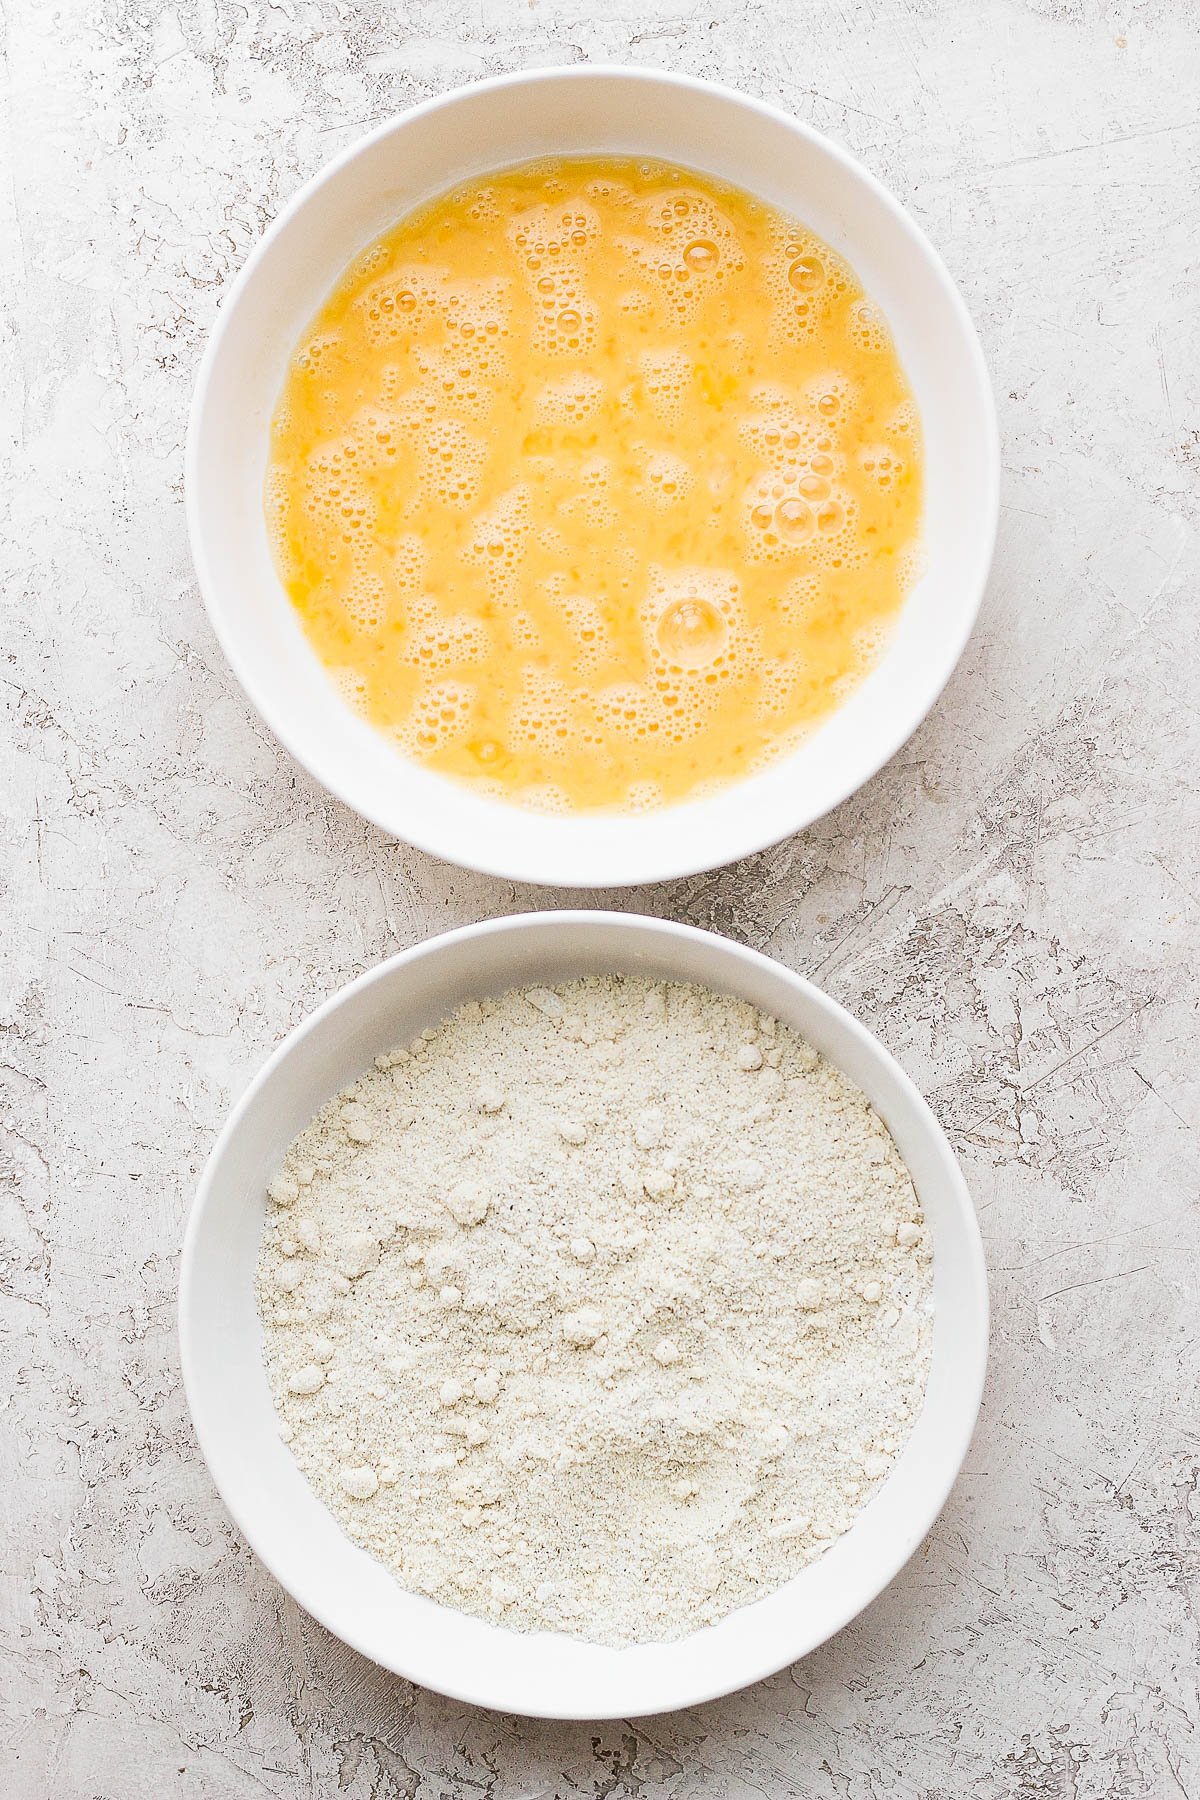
point(1009, 904)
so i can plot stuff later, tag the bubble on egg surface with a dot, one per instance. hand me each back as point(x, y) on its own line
point(320, 354)
point(691, 633)
point(441, 715)
point(883, 466)
point(665, 374)
point(544, 797)
point(667, 478)
point(806, 274)
point(685, 248)
point(569, 400)
point(444, 643)
point(911, 563)
point(806, 518)
point(394, 304)
point(592, 641)
point(351, 689)
point(831, 399)
point(869, 644)
point(629, 711)
point(453, 462)
point(644, 796)
point(778, 681)
point(867, 328)
point(904, 422)
point(497, 538)
point(542, 717)
point(805, 280)
point(794, 518)
point(780, 431)
point(701, 256)
point(799, 601)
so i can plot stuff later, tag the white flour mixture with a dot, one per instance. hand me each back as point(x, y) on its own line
point(600, 1309)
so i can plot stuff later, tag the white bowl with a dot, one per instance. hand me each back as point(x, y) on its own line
point(373, 184)
point(546, 1674)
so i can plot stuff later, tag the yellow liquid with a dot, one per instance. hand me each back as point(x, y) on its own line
point(596, 482)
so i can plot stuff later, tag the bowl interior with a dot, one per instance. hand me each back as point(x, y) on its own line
point(419, 155)
point(542, 1673)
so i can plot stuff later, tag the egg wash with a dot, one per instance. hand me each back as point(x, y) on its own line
point(596, 483)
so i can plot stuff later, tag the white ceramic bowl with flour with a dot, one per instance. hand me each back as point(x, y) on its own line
point(549, 1674)
point(420, 154)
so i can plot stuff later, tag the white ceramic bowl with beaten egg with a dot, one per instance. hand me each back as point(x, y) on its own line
point(408, 161)
point(546, 1674)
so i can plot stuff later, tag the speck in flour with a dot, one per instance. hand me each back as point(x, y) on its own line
point(600, 1308)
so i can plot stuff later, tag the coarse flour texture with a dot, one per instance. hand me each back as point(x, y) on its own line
point(598, 1309)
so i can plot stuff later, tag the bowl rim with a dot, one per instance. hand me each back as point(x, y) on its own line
point(754, 830)
point(971, 1356)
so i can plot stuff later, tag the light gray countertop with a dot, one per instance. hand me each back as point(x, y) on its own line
point(1010, 905)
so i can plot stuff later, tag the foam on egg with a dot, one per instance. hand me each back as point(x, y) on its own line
point(443, 644)
point(643, 796)
point(629, 712)
point(351, 688)
point(881, 464)
point(687, 250)
point(668, 478)
point(665, 373)
point(541, 716)
point(569, 400)
point(441, 716)
point(867, 327)
point(453, 463)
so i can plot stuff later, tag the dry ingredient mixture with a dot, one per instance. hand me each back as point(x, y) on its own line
point(599, 1309)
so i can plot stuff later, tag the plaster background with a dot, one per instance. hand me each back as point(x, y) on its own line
point(1010, 905)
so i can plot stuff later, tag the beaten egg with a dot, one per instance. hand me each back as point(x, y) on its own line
point(596, 483)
